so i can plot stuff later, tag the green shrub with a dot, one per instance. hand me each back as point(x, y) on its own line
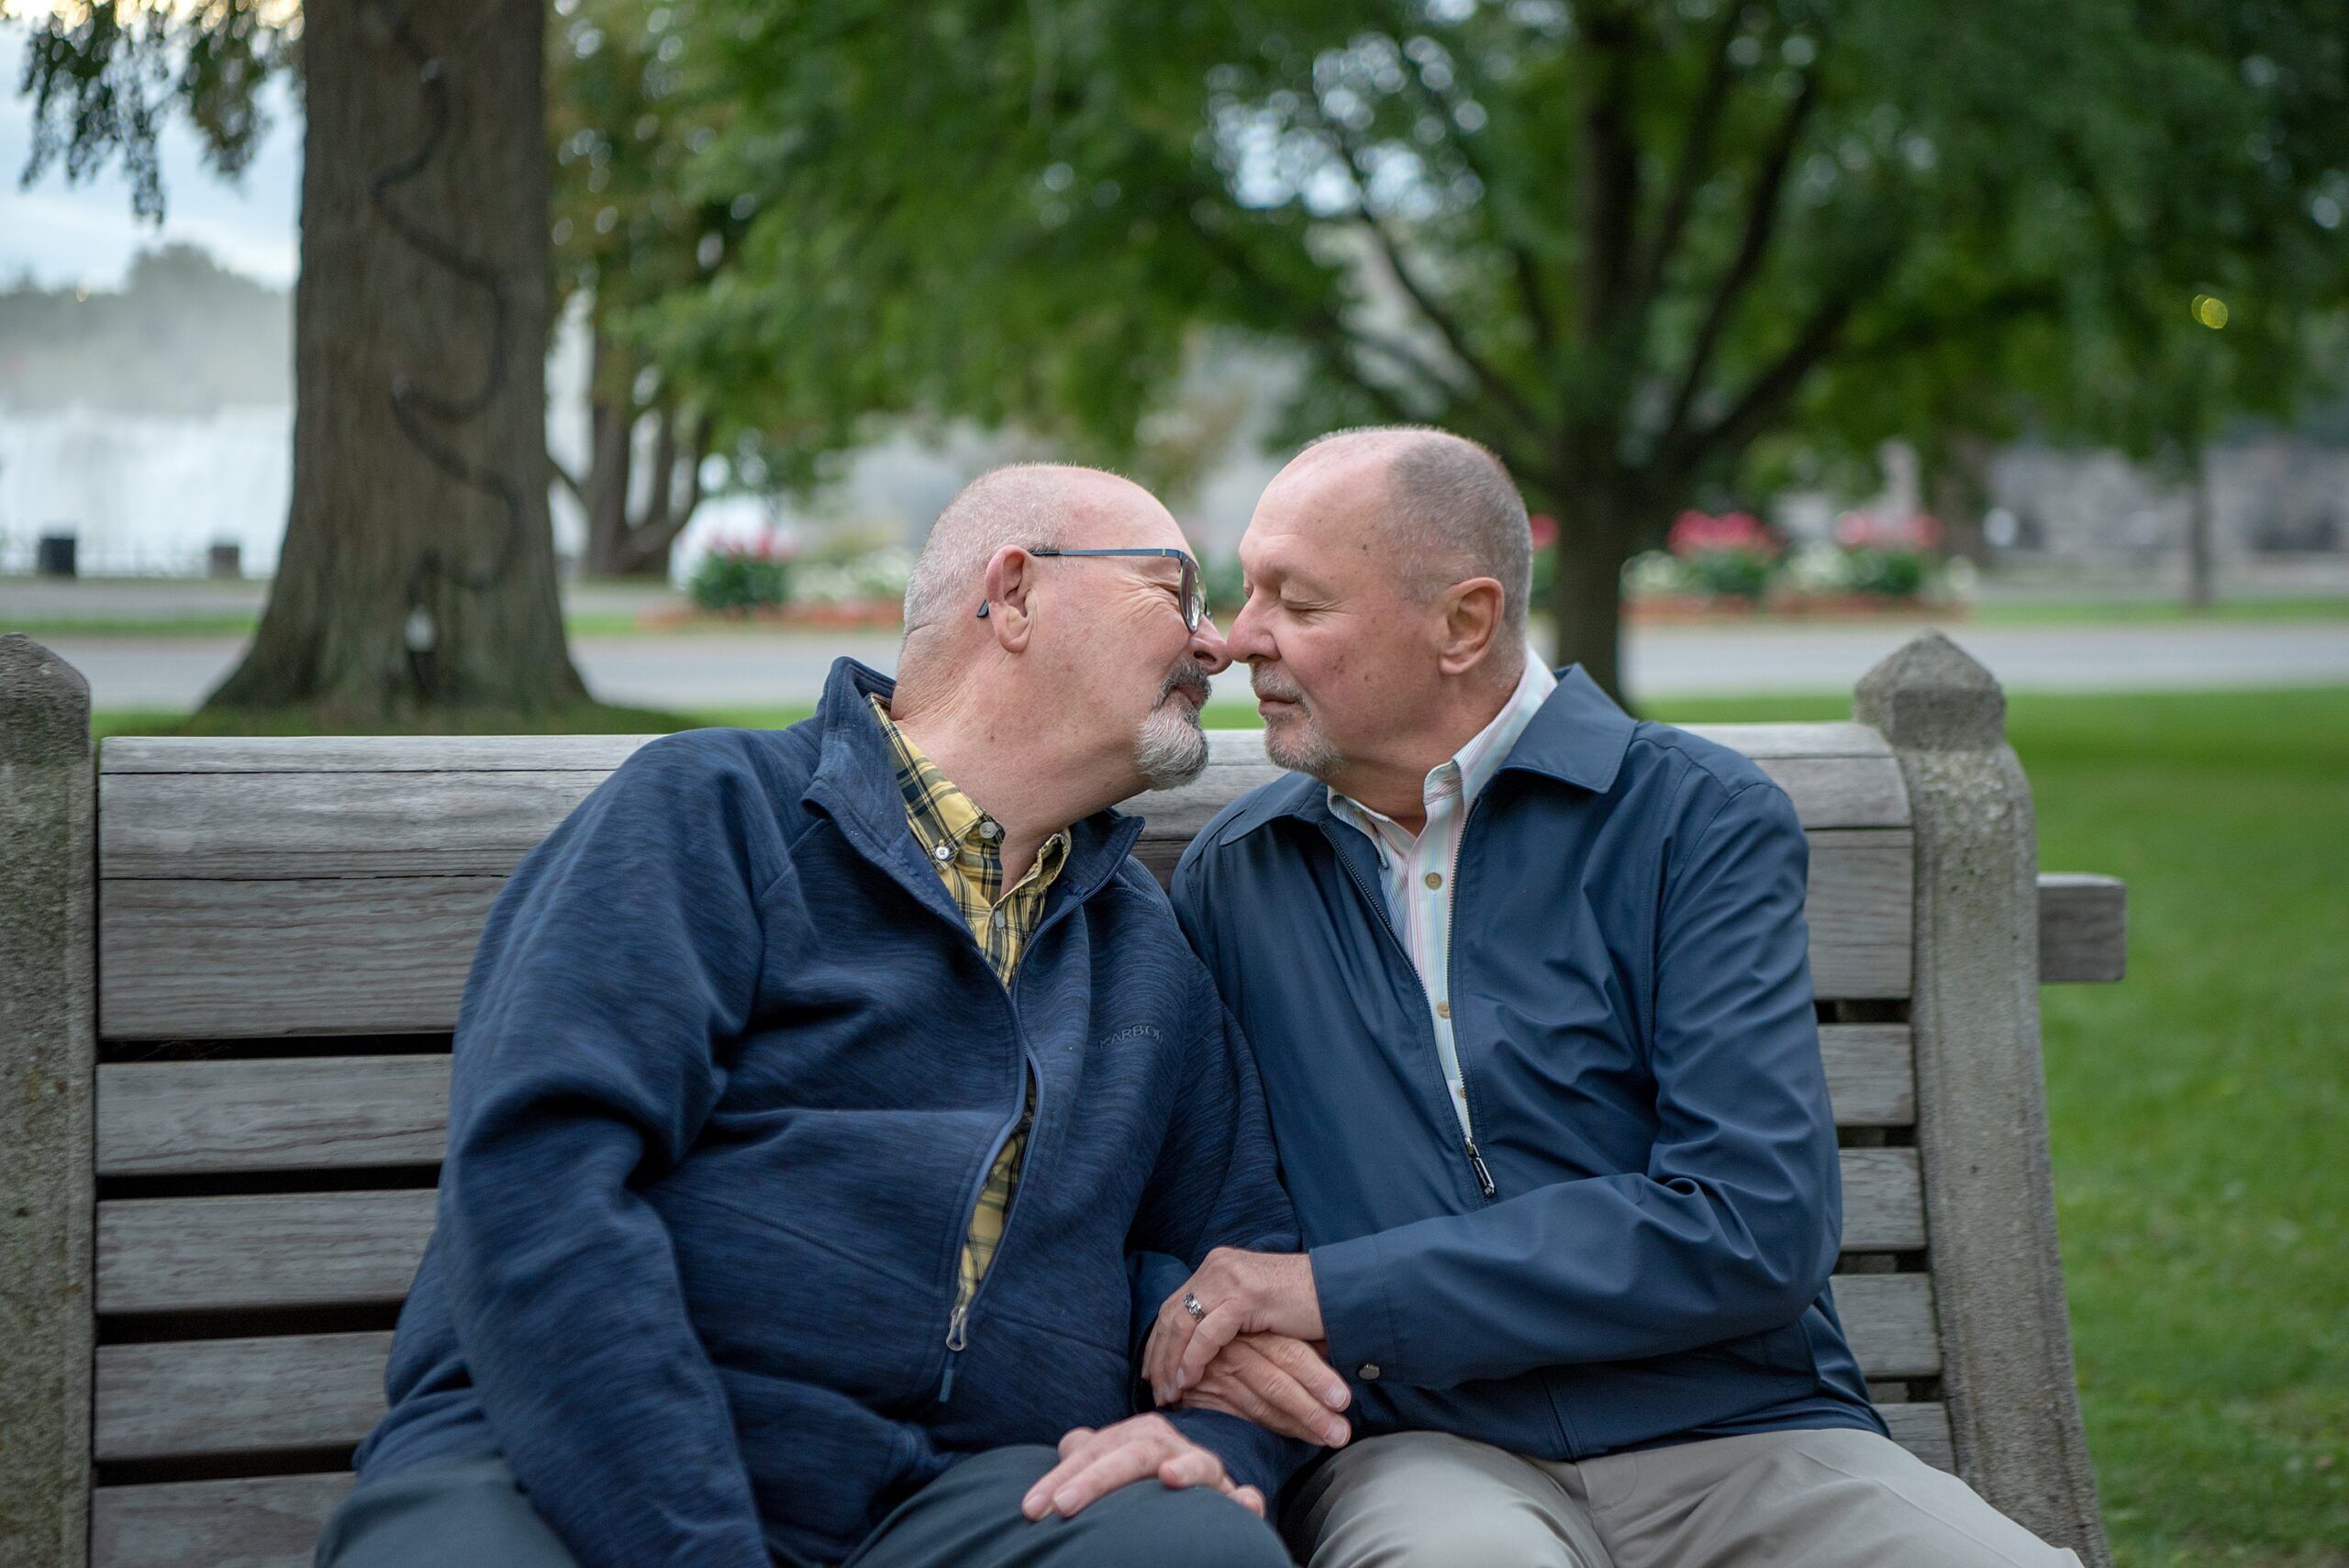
point(737, 579)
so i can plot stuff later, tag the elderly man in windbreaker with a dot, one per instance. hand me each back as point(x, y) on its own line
point(813, 1088)
point(1529, 985)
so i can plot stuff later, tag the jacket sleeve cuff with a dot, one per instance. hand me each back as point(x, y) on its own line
point(1252, 1456)
point(1153, 1277)
point(1357, 1316)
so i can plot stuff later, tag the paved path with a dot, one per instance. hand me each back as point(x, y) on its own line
point(753, 670)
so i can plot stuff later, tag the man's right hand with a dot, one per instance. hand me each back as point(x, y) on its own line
point(1282, 1384)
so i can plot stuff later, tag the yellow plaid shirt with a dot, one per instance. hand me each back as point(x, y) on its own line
point(964, 846)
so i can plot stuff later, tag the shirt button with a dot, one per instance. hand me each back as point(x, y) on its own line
point(1435, 879)
point(1368, 1371)
point(943, 852)
point(989, 831)
point(1444, 1009)
point(999, 919)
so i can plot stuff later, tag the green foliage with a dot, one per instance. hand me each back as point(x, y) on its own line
point(1652, 255)
point(105, 75)
point(729, 581)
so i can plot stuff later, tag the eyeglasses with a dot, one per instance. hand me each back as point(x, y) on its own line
point(1193, 591)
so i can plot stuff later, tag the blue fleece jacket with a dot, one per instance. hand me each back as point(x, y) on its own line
point(729, 1072)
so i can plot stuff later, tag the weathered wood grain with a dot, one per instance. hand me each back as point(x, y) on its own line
point(274, 1114)
point(366, 753)
point(2083, 928)
point(334, 1113)
point(1890, 1320)
point(601, 753)
point(273, 1521)
point(184, 1398)
point(246, 958)
point(288, 823)
point(210, 1397)
point(1923, 1430)
point(187, 1254)
point(241, 960)
point(1871, 1073)
point(208, 1254)
point(267, 1522)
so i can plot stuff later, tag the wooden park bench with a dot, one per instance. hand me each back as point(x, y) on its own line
point(230, 969)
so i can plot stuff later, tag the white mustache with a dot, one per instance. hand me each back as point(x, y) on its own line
point(1188, 679)
point(1275, 688)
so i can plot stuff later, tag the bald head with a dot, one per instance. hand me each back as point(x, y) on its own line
point(1452, 511)
point(1031, 504)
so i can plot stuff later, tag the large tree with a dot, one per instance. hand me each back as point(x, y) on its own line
point(1629, 245)
point(416, 583)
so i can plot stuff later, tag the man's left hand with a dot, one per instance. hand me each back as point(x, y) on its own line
point(1238, 1293)
point(1095, 1463)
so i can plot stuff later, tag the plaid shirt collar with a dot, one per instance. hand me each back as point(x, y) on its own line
point(954, 832)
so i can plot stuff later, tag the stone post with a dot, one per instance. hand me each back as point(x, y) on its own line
point(47, 1066)
point(1981, 1094)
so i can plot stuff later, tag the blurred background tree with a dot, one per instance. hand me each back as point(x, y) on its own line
point(623, 121)
point(1640, 249)
point(417, 579)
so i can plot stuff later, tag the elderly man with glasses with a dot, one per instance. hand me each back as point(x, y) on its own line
point(812, 1089)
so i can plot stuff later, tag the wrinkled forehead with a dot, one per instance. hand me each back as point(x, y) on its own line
point(1326, 517)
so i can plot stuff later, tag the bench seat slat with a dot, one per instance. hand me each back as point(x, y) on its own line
point(332, 1113)
point(273, 1521)
point(309, 1249)
point(210, 1398)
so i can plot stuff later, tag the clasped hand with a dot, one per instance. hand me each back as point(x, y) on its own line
point(1256, 1352)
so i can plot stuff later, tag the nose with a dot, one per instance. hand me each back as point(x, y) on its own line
point(1248, 642)
point(1208, 647)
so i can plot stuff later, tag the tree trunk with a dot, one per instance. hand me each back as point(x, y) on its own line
point(1959, 488)
point(611, 454)
point(1595, 532)
point(2200, 586)
point(418, 571)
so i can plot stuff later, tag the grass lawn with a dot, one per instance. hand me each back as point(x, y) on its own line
point(2200, 1107)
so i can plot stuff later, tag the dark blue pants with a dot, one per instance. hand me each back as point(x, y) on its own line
point(471, 1513)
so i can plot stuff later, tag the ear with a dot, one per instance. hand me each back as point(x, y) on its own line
point(1011, 576)
point(1471, 619)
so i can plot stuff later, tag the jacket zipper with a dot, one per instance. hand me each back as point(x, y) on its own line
point(958, 1322)
point(1386, 922)
point(1452, 988)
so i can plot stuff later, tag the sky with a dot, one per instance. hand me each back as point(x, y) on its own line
point(85, 235)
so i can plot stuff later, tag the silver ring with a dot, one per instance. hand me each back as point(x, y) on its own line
point(1191, 1305)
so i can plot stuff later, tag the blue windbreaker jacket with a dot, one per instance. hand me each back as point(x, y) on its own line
point(1632, 1007)
point(729, 1070)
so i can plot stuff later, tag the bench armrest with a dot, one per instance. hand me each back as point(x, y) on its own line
point(2083, 927)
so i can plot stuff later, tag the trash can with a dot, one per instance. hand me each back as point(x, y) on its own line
point(225, 561)
point(54, 557)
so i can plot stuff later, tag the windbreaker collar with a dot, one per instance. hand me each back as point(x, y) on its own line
point(1579, 736)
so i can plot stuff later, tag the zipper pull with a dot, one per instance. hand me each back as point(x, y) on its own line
point(957, 1339)
point(1477, 1163)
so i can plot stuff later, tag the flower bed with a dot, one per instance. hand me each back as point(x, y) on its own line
point(1734, 566)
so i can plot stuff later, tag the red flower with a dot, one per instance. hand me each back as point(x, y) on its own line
point(1545, 530)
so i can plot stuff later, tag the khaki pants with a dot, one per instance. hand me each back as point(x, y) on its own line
point(1800, 1499)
